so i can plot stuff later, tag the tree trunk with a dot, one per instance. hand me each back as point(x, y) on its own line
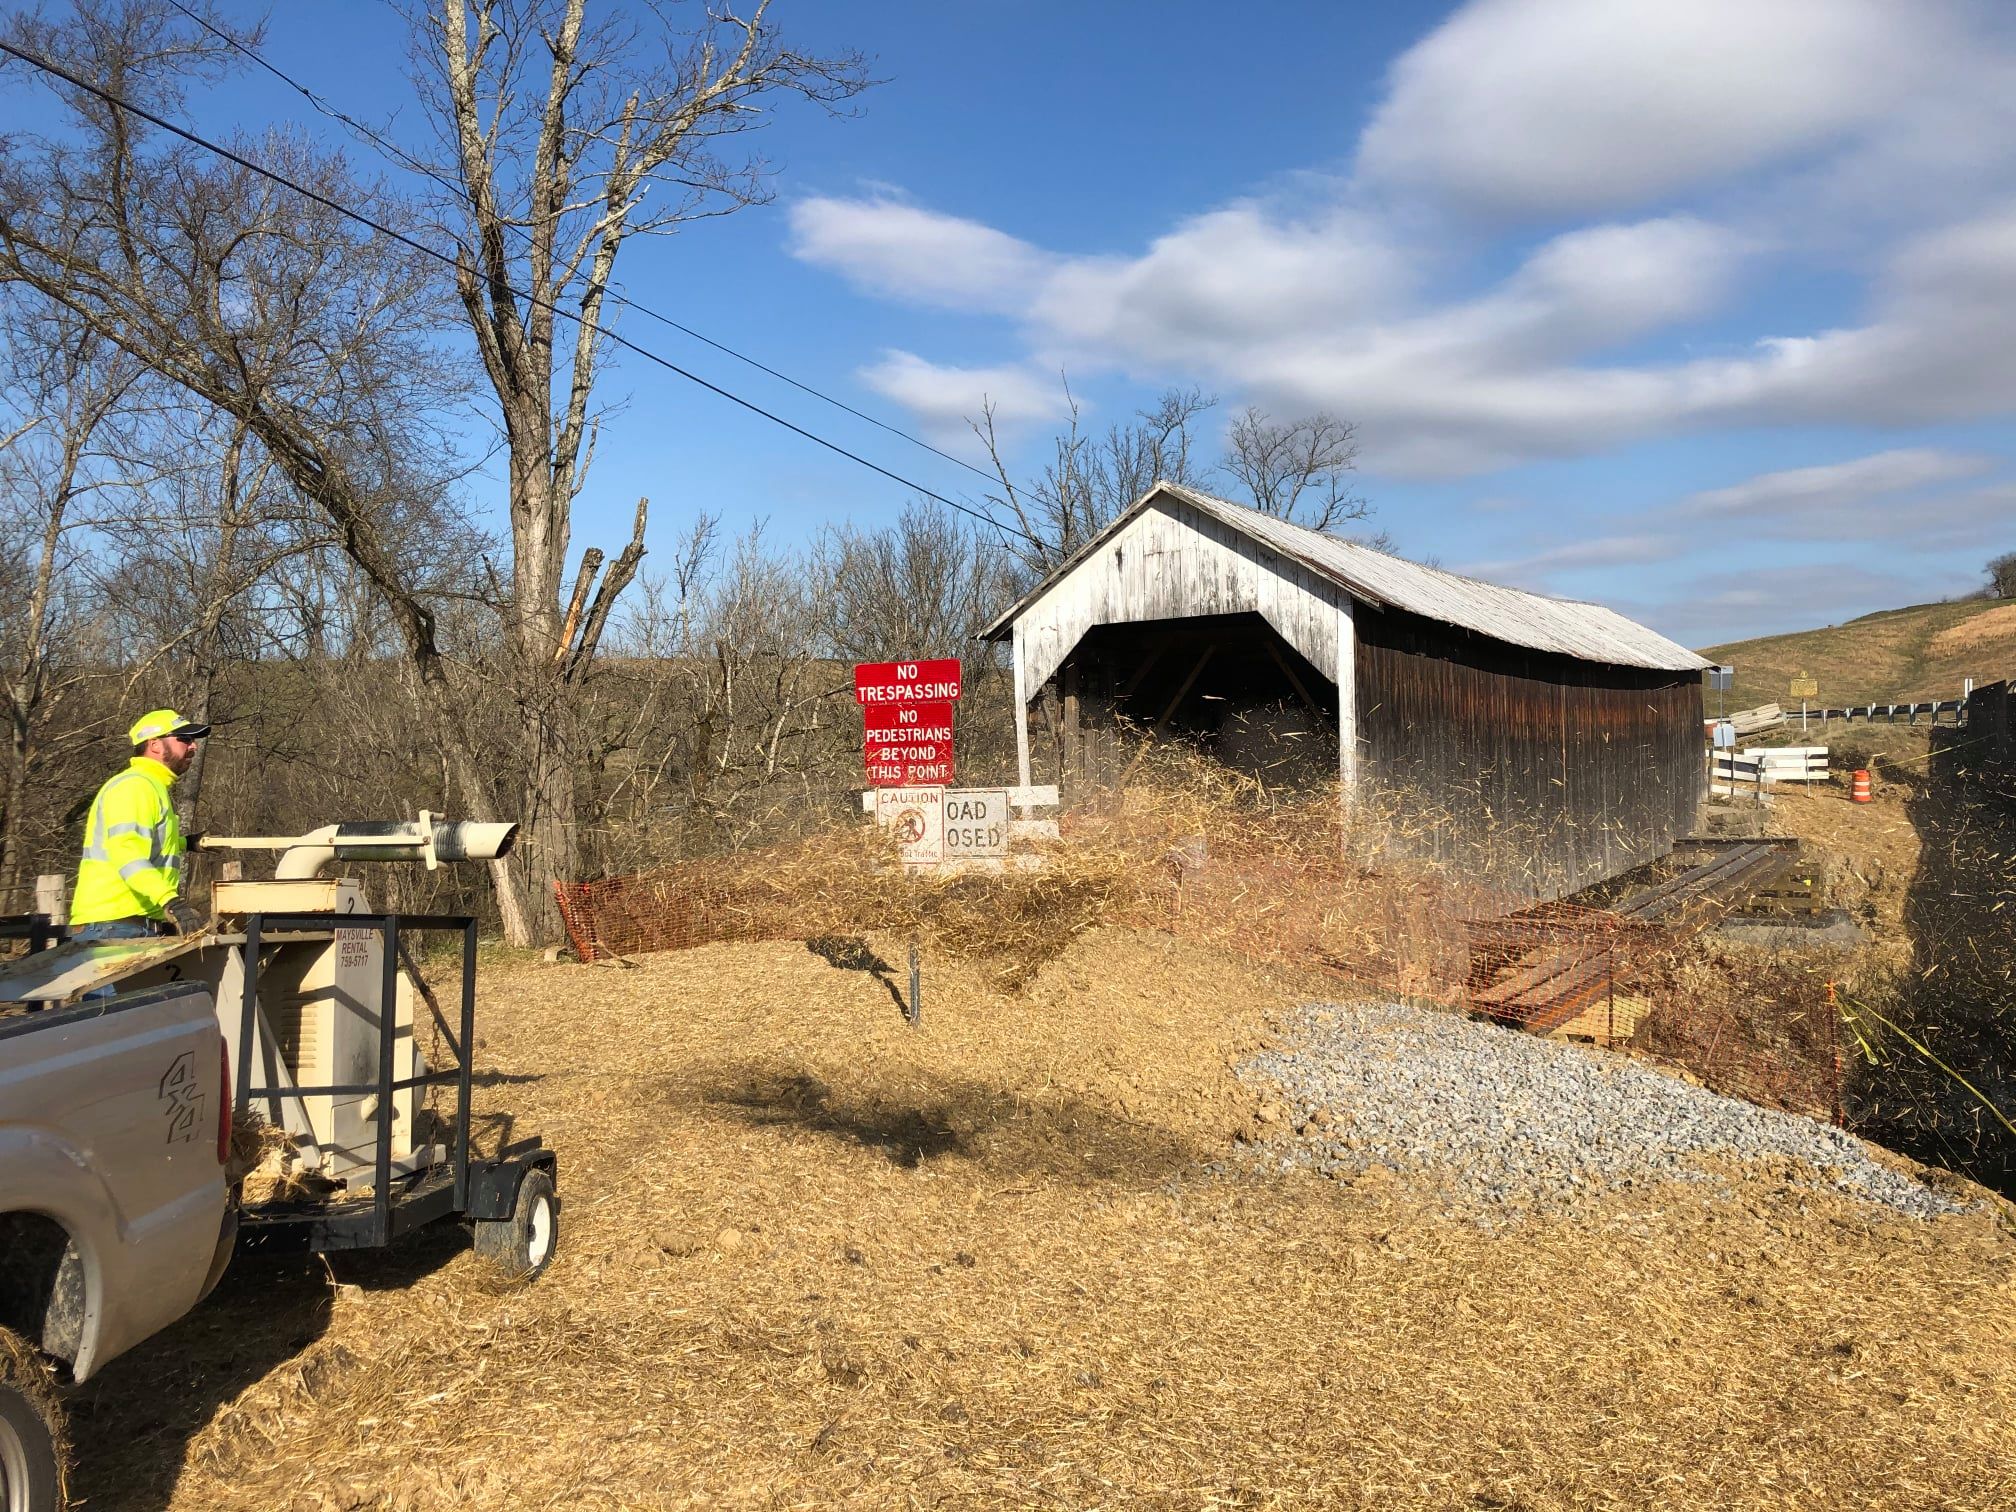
point(190, 787)
point(17, 806)
point(549, 850)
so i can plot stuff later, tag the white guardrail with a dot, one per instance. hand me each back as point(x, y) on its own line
point(1764, 767)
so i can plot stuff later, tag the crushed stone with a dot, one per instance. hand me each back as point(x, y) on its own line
point(1508, 1122)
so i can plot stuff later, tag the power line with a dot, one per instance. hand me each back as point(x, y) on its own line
point(412, 164)
point(56, 70)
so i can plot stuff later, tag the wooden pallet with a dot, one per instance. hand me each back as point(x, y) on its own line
point(1567, 973)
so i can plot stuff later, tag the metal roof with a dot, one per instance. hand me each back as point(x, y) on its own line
point(1566, 627)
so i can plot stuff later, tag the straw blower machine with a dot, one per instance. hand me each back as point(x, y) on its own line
point(363, 1135)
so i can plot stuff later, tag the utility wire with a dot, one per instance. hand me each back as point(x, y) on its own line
point(412, 164)
point(56, 70)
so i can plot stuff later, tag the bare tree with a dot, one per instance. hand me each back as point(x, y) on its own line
point(193, 569)
point(568, 139)
point(742, 729)
point(2002, 575)
point(318, 338)
point(66, 386)
point(925, 586)
point(1298, 470)
point(1089, 479)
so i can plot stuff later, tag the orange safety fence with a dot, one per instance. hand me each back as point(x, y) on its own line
point(675, 908)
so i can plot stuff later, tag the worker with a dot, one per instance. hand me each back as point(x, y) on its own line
point(129, 882)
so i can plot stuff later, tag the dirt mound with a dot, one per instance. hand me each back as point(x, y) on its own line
point(1921, 652)
point(813, 1256)
point(1992, 631)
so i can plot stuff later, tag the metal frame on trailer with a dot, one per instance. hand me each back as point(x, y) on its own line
point(38, 929)
point(397, 1206)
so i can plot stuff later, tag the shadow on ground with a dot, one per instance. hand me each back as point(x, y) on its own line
point(851, 953)
point(1960, 998)
point(1054, 1136)
point(131, 1425)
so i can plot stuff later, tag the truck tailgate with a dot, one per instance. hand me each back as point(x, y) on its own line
point(109, 1119)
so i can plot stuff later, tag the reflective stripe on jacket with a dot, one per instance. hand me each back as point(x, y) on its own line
point(132, 861)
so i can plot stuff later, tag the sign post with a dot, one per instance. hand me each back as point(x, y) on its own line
point(1803, 688)
point(907, 682)
point(906, 717)
point(976, 823)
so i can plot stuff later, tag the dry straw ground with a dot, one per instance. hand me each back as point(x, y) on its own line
point(1921, 652)
point(814, 1257)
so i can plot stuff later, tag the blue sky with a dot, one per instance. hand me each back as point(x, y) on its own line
point(1707, 311)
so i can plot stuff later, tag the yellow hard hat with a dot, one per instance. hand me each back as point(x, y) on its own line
point(165, 722)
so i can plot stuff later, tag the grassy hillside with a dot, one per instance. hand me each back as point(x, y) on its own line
point(1921, 652)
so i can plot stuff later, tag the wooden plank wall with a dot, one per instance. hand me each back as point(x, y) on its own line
point(1544, 773)
point(1176, 563)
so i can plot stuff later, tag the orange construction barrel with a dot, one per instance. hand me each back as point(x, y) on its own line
point(1858, 787)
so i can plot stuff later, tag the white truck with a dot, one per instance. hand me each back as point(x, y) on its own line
point(116, 1216)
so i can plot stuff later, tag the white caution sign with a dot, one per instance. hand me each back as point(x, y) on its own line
point(917, 815)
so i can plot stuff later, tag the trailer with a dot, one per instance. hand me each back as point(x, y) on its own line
point(318, 996)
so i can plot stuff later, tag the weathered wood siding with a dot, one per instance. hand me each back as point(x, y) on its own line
point(1546, 773)
point(1173, 562)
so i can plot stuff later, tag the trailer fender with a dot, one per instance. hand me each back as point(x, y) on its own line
point(493, 1185)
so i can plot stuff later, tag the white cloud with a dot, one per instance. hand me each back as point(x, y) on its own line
point(1942, 345)
point(1506, 376)
point(945, 398)
point(1220, 281)
point(1537, 569)
point(1594, 105)
point(1880, 499)
point(896, 249)
point(1548, 105)
point(1833, 485)
point(1899, 522)
point(1719, 608)
point(1494, 380)
point(1464, 389)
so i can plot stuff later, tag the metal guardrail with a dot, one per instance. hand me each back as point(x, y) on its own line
point(1957, 707)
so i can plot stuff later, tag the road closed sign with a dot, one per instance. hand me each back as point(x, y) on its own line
point(916, 815)
point(976, 823)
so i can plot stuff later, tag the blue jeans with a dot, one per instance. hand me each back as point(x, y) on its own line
point(114, 929)
point(110, 929)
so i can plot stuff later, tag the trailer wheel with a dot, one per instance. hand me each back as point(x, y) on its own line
point(33, 1455)
point(522, 1245)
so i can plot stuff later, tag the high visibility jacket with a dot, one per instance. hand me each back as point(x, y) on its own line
point(132, 863)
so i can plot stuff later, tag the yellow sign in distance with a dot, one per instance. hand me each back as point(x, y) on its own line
point(1805, 687)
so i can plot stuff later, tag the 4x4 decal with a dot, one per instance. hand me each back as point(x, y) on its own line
point(182, 1098)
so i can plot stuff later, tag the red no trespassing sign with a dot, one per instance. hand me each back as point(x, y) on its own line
point(909, 745)
point(917, 682)
point(906, 714)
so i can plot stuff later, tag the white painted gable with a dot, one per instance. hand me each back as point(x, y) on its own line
point(1174, 561)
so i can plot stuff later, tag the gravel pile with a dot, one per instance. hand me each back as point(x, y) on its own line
point(1507, 1120)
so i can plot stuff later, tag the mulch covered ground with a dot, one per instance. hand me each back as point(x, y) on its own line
point(814, 1257)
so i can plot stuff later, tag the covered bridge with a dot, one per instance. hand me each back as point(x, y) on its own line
point(1564, 726)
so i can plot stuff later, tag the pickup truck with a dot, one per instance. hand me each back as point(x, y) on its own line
point(116, 1215)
